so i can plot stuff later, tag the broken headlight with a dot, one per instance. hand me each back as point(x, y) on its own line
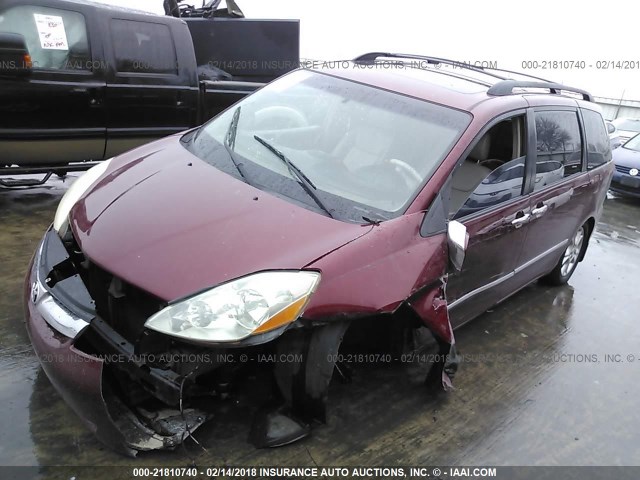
point(251, 305)
point(79, 187)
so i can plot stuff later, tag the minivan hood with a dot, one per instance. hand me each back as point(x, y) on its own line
point(171, 224)
point(625, 135)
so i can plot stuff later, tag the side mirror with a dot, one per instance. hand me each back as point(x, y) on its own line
point(610, 127)
point(458, 240)
point(15, 60)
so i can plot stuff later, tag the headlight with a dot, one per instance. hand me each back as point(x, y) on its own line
point(236, 310)
point(74, 193)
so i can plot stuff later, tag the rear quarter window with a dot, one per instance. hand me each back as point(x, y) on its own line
point(598, 145)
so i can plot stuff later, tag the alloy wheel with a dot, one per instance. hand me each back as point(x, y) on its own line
point(572, 253)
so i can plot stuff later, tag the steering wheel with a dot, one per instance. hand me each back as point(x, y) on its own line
point(279, 117)
point(410, 174)
point(491, 163)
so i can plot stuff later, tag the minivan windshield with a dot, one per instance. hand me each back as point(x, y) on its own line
point(337, 146)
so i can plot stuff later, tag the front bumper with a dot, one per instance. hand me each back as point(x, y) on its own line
point(75, 375)
point(625, 184)
point(78, 376)
point(118, 400)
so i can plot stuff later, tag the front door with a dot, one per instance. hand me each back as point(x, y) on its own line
point(487, 197)
point(56, 115)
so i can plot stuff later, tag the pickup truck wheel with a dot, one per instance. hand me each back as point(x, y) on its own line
point(569, 260)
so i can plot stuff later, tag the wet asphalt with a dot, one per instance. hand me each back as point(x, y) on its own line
point(549, 377)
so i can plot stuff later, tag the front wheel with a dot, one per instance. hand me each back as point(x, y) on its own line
point(569, 260)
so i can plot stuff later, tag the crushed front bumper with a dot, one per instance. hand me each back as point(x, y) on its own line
point(109, 381)
point(54, 329)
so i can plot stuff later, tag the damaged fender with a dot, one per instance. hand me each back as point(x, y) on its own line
point(302, 385)
point(431, 307)
point(411, 268)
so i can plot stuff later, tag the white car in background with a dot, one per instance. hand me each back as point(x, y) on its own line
point(614, 139)
point(624, 129)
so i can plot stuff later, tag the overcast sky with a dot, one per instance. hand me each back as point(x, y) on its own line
point(497, 31)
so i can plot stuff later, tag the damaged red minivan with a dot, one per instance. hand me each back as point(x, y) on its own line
point(414, 191)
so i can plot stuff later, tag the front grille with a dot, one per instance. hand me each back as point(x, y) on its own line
point(121, 305)
point(622, 169)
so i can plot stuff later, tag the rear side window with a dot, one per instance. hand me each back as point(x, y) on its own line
point(598, 145)
point(142, 47)
point(559, 147)
point(57, 39)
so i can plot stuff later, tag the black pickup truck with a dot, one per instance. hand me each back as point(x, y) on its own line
point(82, 81)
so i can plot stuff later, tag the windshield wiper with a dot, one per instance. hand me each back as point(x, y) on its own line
point(230, 142)
point(371, 221)
point(303, 180)
point(230, 137)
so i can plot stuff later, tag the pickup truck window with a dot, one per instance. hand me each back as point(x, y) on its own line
point(57, 39)
point(143, 47)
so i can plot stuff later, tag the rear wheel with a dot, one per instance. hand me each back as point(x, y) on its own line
point(569, 260)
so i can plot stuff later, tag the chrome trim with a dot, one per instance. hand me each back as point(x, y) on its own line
point(538, 212)
point(520, 221)
point(481, 289)
point(55, 314)
point(541, 256)
point(506, 277)
point(59, 318)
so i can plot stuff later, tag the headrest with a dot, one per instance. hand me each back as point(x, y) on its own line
point(481, 150)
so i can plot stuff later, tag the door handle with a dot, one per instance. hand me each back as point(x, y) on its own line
point(518, 222)
point(580, 189)
point(539, 211)
point(95, 96)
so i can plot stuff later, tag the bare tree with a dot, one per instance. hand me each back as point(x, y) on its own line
point(551, 136)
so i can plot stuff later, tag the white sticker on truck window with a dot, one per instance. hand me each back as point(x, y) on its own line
point(51, 31)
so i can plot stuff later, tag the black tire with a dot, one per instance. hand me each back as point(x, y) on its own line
point(570, 258)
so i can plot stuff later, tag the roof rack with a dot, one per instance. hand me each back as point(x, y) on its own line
point(506, 87)
point(371, 57)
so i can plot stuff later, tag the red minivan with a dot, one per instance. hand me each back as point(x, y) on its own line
point(410, 191)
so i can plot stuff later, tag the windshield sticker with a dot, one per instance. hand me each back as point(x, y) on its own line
point(51, 32)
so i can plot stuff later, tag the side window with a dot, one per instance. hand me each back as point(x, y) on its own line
point(559, 147)
point(494, 170)
point(57, 39)
point(142, 47)
point(598, 145)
